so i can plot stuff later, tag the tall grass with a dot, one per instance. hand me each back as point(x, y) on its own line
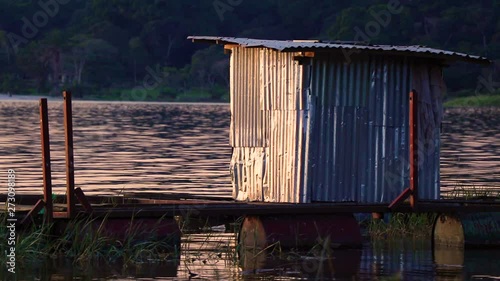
point(85, 241)
point(402, 225)
point(471, 192)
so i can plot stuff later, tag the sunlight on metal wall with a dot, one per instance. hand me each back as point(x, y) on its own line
point(322, 131)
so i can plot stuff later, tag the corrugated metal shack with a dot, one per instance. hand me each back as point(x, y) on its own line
point(328, 122)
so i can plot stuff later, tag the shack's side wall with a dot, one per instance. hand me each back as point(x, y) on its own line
point(268, 117)
point(427, 80)
point(359, 142)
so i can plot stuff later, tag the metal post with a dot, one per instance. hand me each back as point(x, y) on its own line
point(411, 191)
point(70, 170)
point(413, 148)
point(46, 170)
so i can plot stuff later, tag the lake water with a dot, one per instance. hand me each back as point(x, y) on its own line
point(183, 149)
point(212, 257)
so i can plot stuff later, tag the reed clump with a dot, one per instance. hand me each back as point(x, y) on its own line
point(472, 192)
point(402, 225)
point(85, 241)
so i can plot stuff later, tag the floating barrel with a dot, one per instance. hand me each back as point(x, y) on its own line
point(305, 231)
point(325, 233)
point(467, 230)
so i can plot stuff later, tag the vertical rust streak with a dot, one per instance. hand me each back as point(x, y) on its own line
point(70, 171)
point(46, 170)
point(413, 148)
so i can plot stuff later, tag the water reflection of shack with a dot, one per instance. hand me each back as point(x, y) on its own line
point(316, 121)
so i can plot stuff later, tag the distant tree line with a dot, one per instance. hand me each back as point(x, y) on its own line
point(112, 48)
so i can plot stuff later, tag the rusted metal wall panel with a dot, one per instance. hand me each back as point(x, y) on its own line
point(360, 132)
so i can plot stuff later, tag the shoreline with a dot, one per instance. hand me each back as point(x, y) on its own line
point(455, 103)
point(7, 97)
point(35, 98)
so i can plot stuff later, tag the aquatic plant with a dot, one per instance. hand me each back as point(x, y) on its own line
point(85, 241)
point(472, 192)
point(400, 225)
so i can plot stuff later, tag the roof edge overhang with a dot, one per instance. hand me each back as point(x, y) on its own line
point(351, 49)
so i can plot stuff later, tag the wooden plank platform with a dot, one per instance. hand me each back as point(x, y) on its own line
point(146, 207)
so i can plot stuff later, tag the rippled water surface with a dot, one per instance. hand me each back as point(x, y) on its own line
point(174, 148)
point(212, 257)
point(470, 152)
point(183, 149)
point(125, 147)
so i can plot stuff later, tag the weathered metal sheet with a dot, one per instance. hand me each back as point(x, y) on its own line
point(325, 131)
point(280, 78)
point(248, 120)
point(360, 133)
point(286, 160)
point(342, 48)
point(248, 173)
point(428, 82)
point(266, 125)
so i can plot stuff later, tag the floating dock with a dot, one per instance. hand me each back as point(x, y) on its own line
point(290, 187)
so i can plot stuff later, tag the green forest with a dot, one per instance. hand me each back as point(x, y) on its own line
point(107, 49)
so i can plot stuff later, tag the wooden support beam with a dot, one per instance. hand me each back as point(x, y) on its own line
point(70, 170)
point(46, 169)
point(413, 126)
point(35, 210)
point(228, 48)
point(308, 54)
point(83, 200)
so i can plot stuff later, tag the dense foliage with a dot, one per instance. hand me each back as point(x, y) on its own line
point(136, 49)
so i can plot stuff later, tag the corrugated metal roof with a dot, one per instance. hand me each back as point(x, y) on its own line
point(315, 45)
